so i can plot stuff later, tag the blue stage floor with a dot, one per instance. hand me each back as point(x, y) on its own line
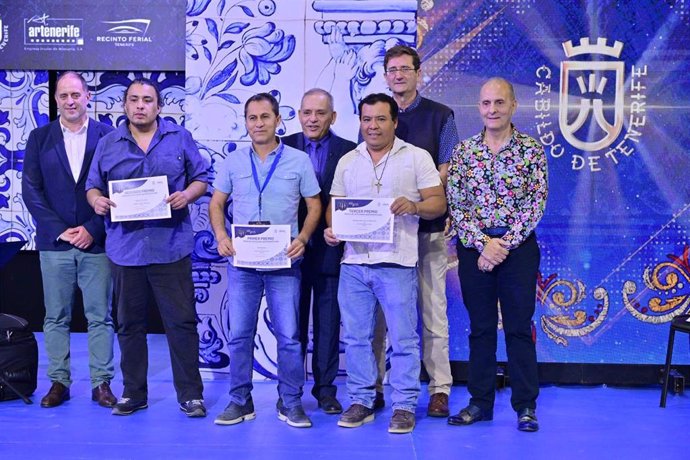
point(576, 423)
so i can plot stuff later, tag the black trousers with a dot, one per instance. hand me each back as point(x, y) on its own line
point(513, 283)
point(173, 290)
point(326, 323)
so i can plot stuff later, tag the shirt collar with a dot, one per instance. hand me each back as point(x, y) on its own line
point(398, 145)
point(511, 140)
point(162, 126)
point(308, 142)
point(279, 148)
point(67, 131)
point(415, 102)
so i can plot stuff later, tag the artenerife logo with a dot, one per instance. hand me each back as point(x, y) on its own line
point(44, 30)
point(591, 106)
point(128, 32)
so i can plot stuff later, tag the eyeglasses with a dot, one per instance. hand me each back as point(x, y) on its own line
point(402, 70)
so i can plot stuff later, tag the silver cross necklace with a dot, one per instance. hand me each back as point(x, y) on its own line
point(378, 178)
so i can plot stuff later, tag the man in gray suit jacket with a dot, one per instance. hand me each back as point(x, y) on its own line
point(321, 264)
point(70, 238)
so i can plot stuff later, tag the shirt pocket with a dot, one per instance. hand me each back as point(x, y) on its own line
point(171, 166)
point(286, 184)
point(243, 185)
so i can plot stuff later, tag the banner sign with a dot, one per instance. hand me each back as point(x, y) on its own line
point(93, 35)
point(607, 96)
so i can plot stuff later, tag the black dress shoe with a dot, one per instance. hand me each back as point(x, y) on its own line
point(103, 395)
point(527, 420)
point(330, 405)
point(57, 394)
point(469, 415)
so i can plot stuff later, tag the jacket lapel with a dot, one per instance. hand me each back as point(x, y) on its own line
point(332, 158)
point(59, 143)
point(92, 137)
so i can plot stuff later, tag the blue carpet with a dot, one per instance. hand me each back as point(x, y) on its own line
point(576, 423)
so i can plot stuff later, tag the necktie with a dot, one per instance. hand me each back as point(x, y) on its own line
point(316, 159)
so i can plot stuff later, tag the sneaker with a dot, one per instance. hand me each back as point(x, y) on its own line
point(356, 415)
point(193, 408)
point(401, 422)
point(127, 406)
point(235, 413)
point(527, 420)
point(294, 416)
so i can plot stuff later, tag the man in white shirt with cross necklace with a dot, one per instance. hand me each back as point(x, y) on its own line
point(384, 272)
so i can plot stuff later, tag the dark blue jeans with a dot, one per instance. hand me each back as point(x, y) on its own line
point(513, 283)
point(246, 287)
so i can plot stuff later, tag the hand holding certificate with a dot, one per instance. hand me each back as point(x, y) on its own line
point(366, 220)
point(261, 246)
point(139, 199)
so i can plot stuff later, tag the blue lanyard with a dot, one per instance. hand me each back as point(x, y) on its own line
point(268, 176)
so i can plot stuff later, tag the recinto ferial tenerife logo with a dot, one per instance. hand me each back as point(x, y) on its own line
point(129, 26)
point(44, 30)
point(591, 106)
point(126, 32)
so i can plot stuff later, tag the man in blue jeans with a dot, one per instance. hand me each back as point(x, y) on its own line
point(384, 273)
point(266, 182)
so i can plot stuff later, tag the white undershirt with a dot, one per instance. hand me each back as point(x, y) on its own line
point(75, 146)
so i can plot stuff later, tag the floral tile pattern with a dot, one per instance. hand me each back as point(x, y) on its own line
point(23, 107)
point(237, 49)
point(234, 49)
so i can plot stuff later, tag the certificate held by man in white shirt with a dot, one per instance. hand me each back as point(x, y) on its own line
point(367, 220)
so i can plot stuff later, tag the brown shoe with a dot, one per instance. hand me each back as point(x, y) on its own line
point(356, 415)
point(438, 405)
point(57, 394)
point(401, 422)
point(103, 395)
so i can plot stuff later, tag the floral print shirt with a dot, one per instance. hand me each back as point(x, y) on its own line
point(504, 189)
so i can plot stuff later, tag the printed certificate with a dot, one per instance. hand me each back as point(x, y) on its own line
point(366, 220)
point(261, 246)
point(139, 199)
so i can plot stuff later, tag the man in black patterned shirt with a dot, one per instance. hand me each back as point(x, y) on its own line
point(497, 194)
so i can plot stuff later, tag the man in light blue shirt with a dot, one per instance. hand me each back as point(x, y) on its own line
point(265, 182)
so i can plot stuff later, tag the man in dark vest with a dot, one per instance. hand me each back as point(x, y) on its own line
point(430, 126)
point(321, 265)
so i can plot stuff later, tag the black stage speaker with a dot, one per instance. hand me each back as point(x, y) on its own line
point(18, 359)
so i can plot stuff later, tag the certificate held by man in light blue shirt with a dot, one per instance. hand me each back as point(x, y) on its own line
point(261, 246)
